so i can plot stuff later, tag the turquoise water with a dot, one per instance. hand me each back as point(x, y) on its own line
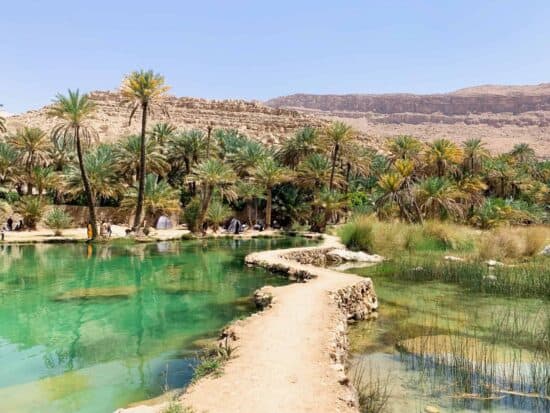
point(89, 329)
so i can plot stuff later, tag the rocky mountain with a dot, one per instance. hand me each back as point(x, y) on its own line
point(501, 115)
point(256, 120)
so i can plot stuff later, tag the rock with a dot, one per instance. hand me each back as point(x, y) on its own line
point(546, 250)
point(359, 301)
point(263, 297)
point(431, 409)
point(452, 258)
point(347, 255)
point(96, 292)
point(493, 263)
point(490, 277)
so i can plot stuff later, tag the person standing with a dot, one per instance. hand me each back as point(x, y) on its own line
point(10, 224)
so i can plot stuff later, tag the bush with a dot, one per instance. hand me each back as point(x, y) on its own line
point(191, 214)
point(57, 219)
point(217, 213)
point(31, 209)
point(512, 243)
point(358, 234)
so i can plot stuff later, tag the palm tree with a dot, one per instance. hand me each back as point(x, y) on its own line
point(302, 144)
point(32, 146)
point(249, 192)
point(443, 156)
point(474, 155)
point(405, 147)
point(141, 89)
point(217, 213)
point(44, 178)
point(128, 154)
point(188, 147)
point(269, 173)
point(438, 198)
point(8, 159)
point(337, 135)
point(160, 199)
point(314, 172)
point(212, 174)
point(161, 132)
point(330, 203)
point(101, 173)
point(2, 124)
point(390, 186)
point(73, 112)
point(245, 160)
point(523, 153)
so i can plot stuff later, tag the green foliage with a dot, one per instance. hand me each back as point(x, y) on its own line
point(191, 214)
point(31, 209)
point(57, 219)
point(358, 234)
point(217, 213)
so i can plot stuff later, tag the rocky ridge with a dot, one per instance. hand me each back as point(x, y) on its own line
point(270, 125)
point(501, 115)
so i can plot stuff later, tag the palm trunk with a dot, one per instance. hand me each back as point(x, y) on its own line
point(334, 157)
point(141, 187)
point(268, 200)
point(249, 212)
point(87, 187)
point(208, 142)
point(204, 208)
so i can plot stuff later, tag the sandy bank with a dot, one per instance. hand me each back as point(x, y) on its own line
point(290, 356)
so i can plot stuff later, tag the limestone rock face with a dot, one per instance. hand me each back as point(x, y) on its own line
point(269, 125)
point(500, 115)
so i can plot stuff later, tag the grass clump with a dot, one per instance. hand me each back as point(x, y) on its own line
point(175, 407)
point(57, 219)
point(391, 238)
point(359, 234)
point(210, 363)
point(373, 390)
point(513, 242)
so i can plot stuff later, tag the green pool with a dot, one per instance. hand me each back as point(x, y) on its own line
point(90, 329)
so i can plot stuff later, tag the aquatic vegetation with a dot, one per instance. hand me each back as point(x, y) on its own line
point(373, 389)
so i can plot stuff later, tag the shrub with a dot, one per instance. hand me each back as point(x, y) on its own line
point(31, 209)
point(512, 243)
point(217, 213)
point(358, 234)
point(191, 214)
point(57, 219)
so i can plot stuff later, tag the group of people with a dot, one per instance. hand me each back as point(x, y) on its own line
point(9, 225)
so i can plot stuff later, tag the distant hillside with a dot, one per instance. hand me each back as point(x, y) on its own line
point(502, 115)
point(256, 120)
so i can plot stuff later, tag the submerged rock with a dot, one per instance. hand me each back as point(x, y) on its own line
point(96, 292)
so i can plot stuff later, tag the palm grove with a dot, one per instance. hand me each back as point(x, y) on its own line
point(313, 178)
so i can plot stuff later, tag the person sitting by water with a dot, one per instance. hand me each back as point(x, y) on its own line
point(10, 224)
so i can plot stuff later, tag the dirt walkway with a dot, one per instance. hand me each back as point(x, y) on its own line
point(283, 362)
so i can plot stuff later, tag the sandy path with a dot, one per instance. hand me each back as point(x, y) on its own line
point(282, 363)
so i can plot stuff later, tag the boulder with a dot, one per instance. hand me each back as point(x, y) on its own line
point(546, 251)
point(263, 297)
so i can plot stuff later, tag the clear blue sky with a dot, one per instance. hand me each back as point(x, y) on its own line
point(262, 49)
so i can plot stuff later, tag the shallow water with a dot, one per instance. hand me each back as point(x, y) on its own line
point(435, 311)
point(89, 329)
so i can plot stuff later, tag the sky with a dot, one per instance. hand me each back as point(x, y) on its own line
point(264, 49)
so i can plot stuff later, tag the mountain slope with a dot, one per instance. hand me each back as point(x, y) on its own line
point(501, 115)
point(256, 120)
